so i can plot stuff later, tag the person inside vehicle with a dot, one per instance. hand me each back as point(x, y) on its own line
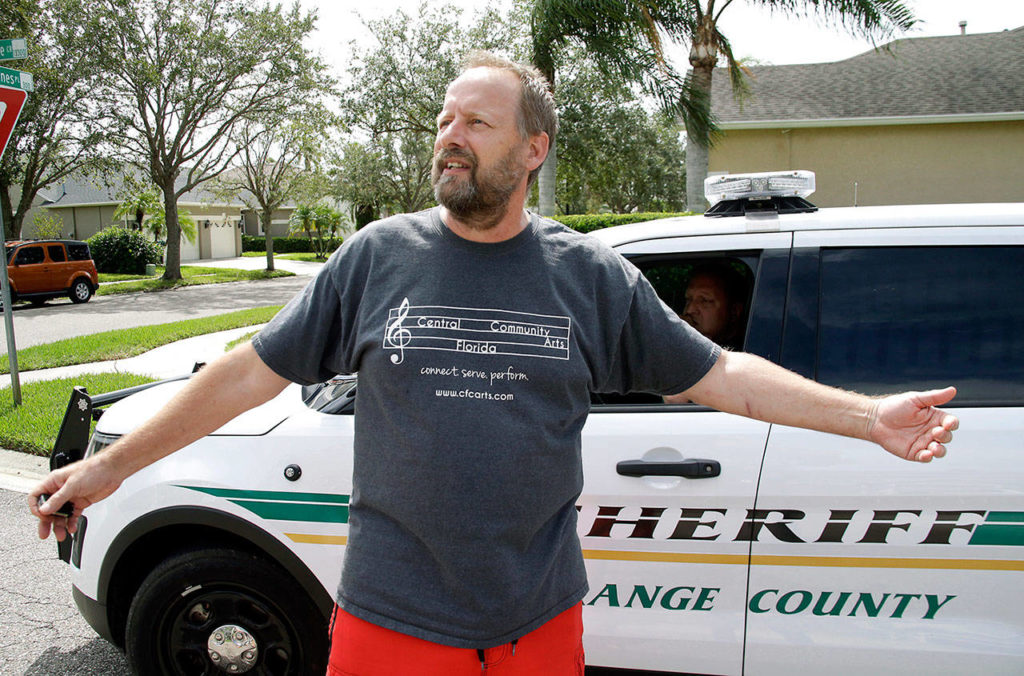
point(462, 554)
point(715, 303)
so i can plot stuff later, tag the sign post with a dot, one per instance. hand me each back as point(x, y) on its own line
point(11, 103)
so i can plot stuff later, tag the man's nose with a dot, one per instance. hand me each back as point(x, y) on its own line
point(452, 135)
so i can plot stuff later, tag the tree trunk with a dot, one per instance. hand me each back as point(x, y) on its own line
point(265, 215)
point(546, 183)
point(172, 271)
point(7, 211)
point(696, 172)
point(698, 142)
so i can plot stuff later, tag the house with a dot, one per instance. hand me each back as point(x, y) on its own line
point(87, 205)
point(919, 120)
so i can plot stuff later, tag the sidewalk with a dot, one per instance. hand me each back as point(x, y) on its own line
point(20, 471)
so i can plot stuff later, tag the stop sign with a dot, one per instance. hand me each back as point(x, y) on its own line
point(11, 102)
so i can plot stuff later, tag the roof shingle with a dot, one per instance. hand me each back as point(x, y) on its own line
point(912, 77)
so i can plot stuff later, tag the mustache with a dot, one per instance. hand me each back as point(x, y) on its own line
point(448, 154)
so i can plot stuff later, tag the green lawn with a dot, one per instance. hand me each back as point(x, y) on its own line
point(310, 257)
point(123, 343)
point(192, 275)
point(33, 426)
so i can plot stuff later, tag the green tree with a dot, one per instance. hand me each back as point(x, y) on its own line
point(280, 157)
point(320, 223)
point(872, 19)
point(622, 38)
point(395, 93)
point(615, 154)
point(186, 75)
point(140, 199)
point(58, 133)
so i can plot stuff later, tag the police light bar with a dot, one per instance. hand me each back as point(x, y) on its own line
point(758, 186)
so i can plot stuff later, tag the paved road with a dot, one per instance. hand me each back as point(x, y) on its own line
point(62, 319)
point(41, 632)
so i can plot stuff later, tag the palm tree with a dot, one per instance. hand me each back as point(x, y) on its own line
point(623, 38)
point(872, 19)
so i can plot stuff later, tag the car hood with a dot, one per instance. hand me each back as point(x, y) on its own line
point(129, 413)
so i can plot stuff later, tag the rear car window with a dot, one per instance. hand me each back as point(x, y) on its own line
point(56, 252)
point(79, 252)
point(897, 318)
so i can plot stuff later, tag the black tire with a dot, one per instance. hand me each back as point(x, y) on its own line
point(80, 291)
point(182, 603)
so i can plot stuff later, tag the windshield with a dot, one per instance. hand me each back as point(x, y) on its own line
point(334, 396)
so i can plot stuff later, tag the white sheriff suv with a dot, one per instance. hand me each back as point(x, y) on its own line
point(714, 544)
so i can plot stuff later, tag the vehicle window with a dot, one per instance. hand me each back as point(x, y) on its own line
point(28, 255)
point(919, 318)
point(56, 252)
point(711, 292)
point(79, 252)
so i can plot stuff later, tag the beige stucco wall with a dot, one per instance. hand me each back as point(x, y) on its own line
point(84, 222)
point(898, 164)
point(279, 226)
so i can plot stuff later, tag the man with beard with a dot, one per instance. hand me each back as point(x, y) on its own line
point(462, 554)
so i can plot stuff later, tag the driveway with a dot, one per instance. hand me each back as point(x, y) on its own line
point(61, 319)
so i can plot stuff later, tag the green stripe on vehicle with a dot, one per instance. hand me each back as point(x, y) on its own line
point(295, 511)
point(286, 496)
point(284, 505)
point(1000, 528)
point(1003, 517)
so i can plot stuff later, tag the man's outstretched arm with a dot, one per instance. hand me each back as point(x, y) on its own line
point(907, 425)
point(227, 387)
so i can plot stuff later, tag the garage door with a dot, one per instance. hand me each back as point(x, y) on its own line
point(222, 240)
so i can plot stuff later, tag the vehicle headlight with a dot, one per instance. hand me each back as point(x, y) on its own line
point(100, 441)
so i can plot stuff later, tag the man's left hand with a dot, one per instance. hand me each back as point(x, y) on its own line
point(909, 426)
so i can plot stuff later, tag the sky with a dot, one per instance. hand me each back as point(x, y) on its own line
point(771, 39)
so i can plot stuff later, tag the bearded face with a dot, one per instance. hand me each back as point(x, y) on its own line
point(479, 198)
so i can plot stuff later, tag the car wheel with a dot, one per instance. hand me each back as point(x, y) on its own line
point(80, 291)
point(222, 611)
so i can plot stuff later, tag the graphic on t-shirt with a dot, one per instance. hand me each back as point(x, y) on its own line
point(476, 331)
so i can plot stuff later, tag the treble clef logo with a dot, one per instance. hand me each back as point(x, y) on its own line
point(396, 335)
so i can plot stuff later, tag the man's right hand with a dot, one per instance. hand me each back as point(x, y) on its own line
point(82, 483)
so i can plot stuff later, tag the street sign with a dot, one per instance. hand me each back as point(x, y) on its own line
point(16, 79)
point(11, 101)
point(13, 49)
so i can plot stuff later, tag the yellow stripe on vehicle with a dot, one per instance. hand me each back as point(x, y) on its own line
point(807, 561)
point(314, 539)
point(665, 557)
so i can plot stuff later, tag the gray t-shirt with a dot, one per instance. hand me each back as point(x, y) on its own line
point(476, 363)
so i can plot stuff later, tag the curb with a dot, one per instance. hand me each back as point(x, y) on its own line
point(20, 472)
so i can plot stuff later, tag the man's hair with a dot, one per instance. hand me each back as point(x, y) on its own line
point(734, 283)
point(537, 111)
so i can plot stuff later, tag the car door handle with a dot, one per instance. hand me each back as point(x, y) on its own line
point(692, 468)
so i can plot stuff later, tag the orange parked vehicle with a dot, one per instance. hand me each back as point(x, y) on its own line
point(39, 270)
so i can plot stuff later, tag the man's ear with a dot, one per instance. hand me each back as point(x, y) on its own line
point(537, 150)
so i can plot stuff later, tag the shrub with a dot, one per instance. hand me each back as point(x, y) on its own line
point(591, 222)
point(119, 250)
point(284, 245)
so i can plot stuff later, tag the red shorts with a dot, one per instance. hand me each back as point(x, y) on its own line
point(359, 648)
